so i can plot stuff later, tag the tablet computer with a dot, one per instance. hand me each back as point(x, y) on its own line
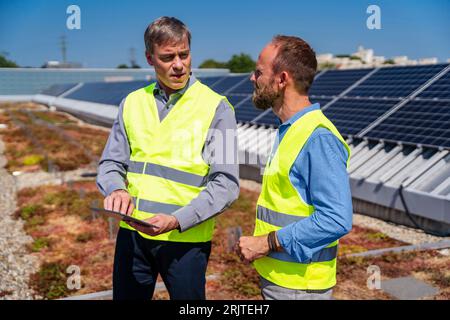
point(123, 217)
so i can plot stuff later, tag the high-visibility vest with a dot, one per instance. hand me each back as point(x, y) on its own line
point(280, 204)
point(166, 169)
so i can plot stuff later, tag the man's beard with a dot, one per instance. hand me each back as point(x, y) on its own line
point(265, 97)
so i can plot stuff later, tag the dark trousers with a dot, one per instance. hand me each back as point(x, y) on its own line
point(138, 261)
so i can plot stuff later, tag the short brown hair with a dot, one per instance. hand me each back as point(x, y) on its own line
point(164, 30)
point(297, 58)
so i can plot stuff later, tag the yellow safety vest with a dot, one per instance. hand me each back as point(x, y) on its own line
point(166, 169)
point(280, 204)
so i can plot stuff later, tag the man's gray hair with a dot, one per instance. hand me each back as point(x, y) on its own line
point(165, 30)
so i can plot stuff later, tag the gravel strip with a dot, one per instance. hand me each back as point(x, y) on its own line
point(16, 264)
point(395, 231)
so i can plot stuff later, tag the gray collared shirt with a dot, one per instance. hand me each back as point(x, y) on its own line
point(222, 188)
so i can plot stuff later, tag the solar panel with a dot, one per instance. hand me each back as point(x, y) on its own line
point(210, 81)
point(235, 99)
point(350, 116)
point(333, 82)
point(439, 89)
point(246, 87)
point(106, 92)
point(58, 89)
point(418, 122)
point(246, 112)
point(269, 119)
point(395, 81)
point(227, 83)
point(321, 101)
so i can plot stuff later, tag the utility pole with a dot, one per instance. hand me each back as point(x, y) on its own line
point(132, 57)
point(63, 48)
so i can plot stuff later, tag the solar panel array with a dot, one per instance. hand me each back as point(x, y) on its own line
point(58, 89)
point(420, 122)
point(106, 92)
point(407, 104)
point(397, 82)
point(334, 82)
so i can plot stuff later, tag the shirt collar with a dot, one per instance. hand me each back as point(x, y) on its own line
point(301, 113)
point(158, 90)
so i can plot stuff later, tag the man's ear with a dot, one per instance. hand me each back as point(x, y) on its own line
point(149, 57)
point(283, 80)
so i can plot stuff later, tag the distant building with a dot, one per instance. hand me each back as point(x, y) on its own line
point(366, 55)
point(365, 58)
point(428, 61)
point(62, 65)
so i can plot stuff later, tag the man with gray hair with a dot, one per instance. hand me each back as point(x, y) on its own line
point(162, 164)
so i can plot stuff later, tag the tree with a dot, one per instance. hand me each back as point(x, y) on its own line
point(5, 63)
point(327, 65)
point(238, 63)
point(241, 63)
point(211, 63)
point(122, 66)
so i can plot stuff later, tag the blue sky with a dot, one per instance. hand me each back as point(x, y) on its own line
point(30, 29)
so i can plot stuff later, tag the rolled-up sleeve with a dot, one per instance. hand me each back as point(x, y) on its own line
point(112, 168)
point(222, 186)
point(321, 166)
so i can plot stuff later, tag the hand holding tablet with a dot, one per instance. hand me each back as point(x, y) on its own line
point(123, 217)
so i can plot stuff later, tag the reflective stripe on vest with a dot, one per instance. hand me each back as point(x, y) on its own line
point(153, 206)
point(276, 218)
point(326, 254)
point(167, 173)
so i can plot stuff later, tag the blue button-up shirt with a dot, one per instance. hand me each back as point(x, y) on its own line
point(319, 174)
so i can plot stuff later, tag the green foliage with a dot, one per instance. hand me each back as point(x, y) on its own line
point(377, 236)
point(389, 61)
point(35, 221)
point(122, 66)
point(28, 211)
point(5, 63)
point(40, 243)
point(50, 281)
point(327, 65)
point(211, 63)
point(70, 201)
point(237, 64)
point(33, 215)
point(32, 159)
point(241, 63)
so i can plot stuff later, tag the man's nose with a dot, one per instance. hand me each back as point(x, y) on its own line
point(177, 64)
point(252, 77)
